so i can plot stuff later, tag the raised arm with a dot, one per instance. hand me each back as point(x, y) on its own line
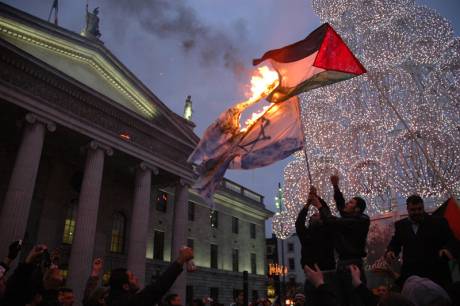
point(339, 224)
point(153, 293)
point(300, 227)
point(338, 196)
point(318, 202)
point(93, 280)
point(21, 284)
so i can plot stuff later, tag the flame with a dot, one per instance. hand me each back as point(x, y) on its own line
point(263, 82)
point(254, 117)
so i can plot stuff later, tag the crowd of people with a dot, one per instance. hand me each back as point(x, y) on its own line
point(38, 281)
point(333, 250)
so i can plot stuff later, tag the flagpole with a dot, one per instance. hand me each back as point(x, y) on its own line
point(304, 143)
point(414, 136)
point(55, 7)
point(56, 11)
point(308, 164)
point(51, 11)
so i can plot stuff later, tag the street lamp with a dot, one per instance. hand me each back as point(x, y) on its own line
point(279, 201)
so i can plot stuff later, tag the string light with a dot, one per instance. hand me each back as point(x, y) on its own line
point(412, 60)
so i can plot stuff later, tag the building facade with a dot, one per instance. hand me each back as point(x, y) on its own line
point(92, 162)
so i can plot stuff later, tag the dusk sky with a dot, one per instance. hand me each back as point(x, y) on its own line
point(205, 52)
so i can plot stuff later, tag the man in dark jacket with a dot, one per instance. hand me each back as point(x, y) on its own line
point(350, 232)
point(316, 240)
point(124, 287)
point(317, 246)
point(351, 228)
point(425, 240)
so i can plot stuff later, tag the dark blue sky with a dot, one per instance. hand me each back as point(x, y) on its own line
point(196, 53)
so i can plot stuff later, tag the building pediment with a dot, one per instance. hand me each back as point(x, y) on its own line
point(90, 63)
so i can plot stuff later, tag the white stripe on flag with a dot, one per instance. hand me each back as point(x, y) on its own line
point(294, 73)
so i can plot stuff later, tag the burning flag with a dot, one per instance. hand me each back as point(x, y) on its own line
point(221, 135)
point(272, 137)
point(320, 59)
point(275, 135)
point(276, 132)
point(220, 141)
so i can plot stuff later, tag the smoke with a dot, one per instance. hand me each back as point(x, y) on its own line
point(174, 20)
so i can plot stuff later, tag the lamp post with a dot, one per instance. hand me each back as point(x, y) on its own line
point(279, 199)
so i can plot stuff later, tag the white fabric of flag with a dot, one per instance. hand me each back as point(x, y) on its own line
point(273, 137)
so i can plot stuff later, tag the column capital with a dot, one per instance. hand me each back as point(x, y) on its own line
point(184, 182)
point(34, 118)
point(94, 144)
point(147, 166)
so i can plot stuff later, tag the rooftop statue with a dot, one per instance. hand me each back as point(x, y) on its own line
point(92, 24)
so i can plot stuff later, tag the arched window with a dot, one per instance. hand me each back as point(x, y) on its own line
point(69, 224)
point(118, 233)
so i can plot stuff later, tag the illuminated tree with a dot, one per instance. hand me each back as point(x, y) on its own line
point(376, 130)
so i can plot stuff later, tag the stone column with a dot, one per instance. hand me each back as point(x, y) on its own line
point(140, 220)
point(81, 255)
point(56, 195)
point(179, 238)
point(18, 198)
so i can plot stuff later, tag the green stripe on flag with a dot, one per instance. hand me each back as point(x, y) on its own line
point(318, 80)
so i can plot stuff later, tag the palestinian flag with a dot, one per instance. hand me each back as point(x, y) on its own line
point(320, 59)
point(451, 212)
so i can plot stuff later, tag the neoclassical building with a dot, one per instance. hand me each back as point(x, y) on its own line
point(92, 162)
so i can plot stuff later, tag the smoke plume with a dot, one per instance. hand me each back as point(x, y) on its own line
point(173, 19)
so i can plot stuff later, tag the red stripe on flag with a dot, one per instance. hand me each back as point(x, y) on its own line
point(452, 215)
point(335, 55)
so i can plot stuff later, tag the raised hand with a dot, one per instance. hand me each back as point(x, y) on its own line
point(98, 264)
point(355, 275)
point(13, 249)
point(185, 254)
point(315, 276)
point(36, 252)
point(313, 200)
point(335, 180)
